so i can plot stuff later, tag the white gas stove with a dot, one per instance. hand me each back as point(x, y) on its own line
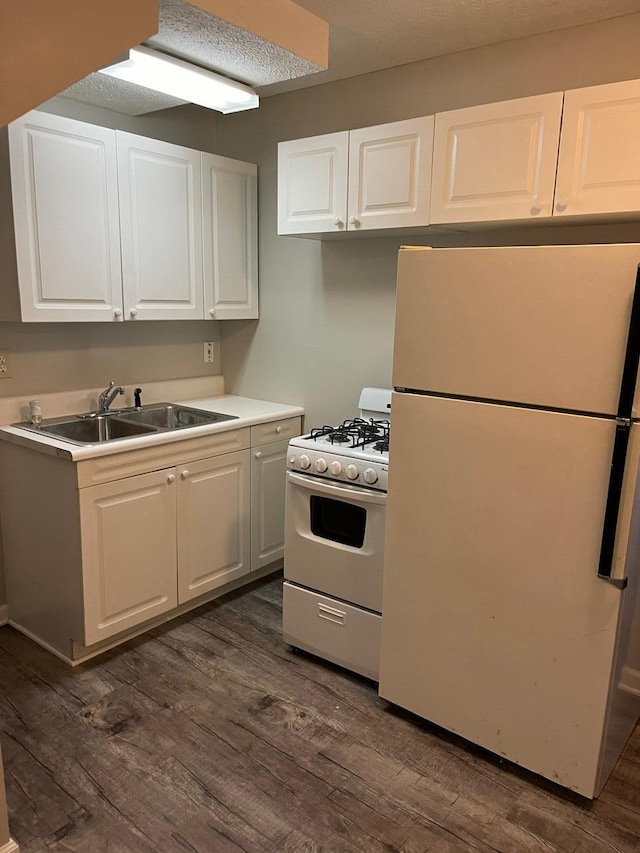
point(334, 537)
point(354, 452)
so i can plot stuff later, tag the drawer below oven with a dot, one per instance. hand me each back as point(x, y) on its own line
point(331, 629)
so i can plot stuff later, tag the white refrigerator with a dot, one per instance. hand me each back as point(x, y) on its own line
point(513, 531)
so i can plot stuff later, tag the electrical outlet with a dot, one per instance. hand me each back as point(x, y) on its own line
point(5, 364)
point(208, 352)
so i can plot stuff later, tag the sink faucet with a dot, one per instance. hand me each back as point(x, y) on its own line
point(108, 396)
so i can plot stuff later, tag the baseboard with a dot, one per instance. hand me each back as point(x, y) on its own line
point(629, 681)
point(83, 654)
point(4, 618)
point(10, 847)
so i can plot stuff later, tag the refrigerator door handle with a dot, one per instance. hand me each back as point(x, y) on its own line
point(621, 442)
point(612, 510)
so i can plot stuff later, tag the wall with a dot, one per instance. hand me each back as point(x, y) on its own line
point(326, 323)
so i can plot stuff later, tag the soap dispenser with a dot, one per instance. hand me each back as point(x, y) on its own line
point(35, 412)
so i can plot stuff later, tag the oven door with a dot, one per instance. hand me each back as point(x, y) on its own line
point(334, 539)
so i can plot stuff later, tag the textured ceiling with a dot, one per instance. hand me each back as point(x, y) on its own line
point(365, 35)
point(189, 33)
point(368, 35)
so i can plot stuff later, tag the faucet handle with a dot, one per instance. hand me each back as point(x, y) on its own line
point(137, 402)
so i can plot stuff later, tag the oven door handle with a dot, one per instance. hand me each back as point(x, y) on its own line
point(360, 494)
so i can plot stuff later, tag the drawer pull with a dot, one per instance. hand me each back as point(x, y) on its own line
point(337, 616)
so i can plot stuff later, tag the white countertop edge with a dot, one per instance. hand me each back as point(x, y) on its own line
point(248, 412)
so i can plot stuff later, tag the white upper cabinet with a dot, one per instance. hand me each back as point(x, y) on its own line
point(359, 180)
point(312, 184)
point(496, 161)
point(390, 175)
point(65, 201)
point(599, 162)
point(112, 226)
point(230, 238)
point(161, 229)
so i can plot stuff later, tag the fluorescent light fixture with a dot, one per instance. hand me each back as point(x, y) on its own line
point(163, 73)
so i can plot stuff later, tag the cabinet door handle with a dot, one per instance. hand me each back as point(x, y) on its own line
point(278, 429)
point(212, 312)
point(133, 312)
point(185, 475)
point(338, 222)
point(117, 313)
point(536, 205)
point(258, 455)
point(353, 220)
point(561, 203)
point(171, 478)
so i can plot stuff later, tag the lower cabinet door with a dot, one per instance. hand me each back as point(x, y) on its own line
point(128, 530)
point(268, 468)
point(213, 523)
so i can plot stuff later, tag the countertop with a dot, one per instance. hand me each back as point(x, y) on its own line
point(247, 411)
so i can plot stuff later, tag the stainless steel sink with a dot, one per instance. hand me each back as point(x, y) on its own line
point(93, 428)
point(172, 416)
point(90, 430)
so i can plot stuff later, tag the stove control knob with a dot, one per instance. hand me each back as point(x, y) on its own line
point(293, 460)
point(335, 468)
point(305, 462)
point(352, 472)
point(320, 465)
point(370, 475)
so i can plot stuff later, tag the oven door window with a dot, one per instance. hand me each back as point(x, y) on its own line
point(338, 521)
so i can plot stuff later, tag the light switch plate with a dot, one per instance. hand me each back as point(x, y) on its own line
point(208, 352)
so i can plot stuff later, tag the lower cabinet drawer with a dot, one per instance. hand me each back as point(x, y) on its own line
point(332, 630)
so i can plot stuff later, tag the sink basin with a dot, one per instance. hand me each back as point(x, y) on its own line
point(172, 416)
point(92, 430)
point(126, 423)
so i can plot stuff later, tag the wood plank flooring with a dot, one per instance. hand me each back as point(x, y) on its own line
point(210, 734)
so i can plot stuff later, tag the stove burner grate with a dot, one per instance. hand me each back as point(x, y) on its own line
point(356, 432)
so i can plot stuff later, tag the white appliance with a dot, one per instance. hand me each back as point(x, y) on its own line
point(334, 537)
point(513, 539)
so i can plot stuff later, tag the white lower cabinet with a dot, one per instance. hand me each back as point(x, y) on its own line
point(128, 531)
point(96, 549)
point(268, 468)
point(213, 523)
point(269, 443)
point(154, 541)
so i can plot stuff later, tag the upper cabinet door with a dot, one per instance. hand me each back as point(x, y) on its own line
point(599, 162)
point(65, 200)
point(496, 161)
point(230, 238)
point(390, 174)
point(312, 184)
point(161, 224)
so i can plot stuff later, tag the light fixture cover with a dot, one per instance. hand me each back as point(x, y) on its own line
point(163, 73)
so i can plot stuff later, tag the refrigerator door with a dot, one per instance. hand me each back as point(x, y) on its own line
point(544, 325)
point(495, 624)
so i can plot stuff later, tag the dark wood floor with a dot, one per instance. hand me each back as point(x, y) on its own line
point(211, 735)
